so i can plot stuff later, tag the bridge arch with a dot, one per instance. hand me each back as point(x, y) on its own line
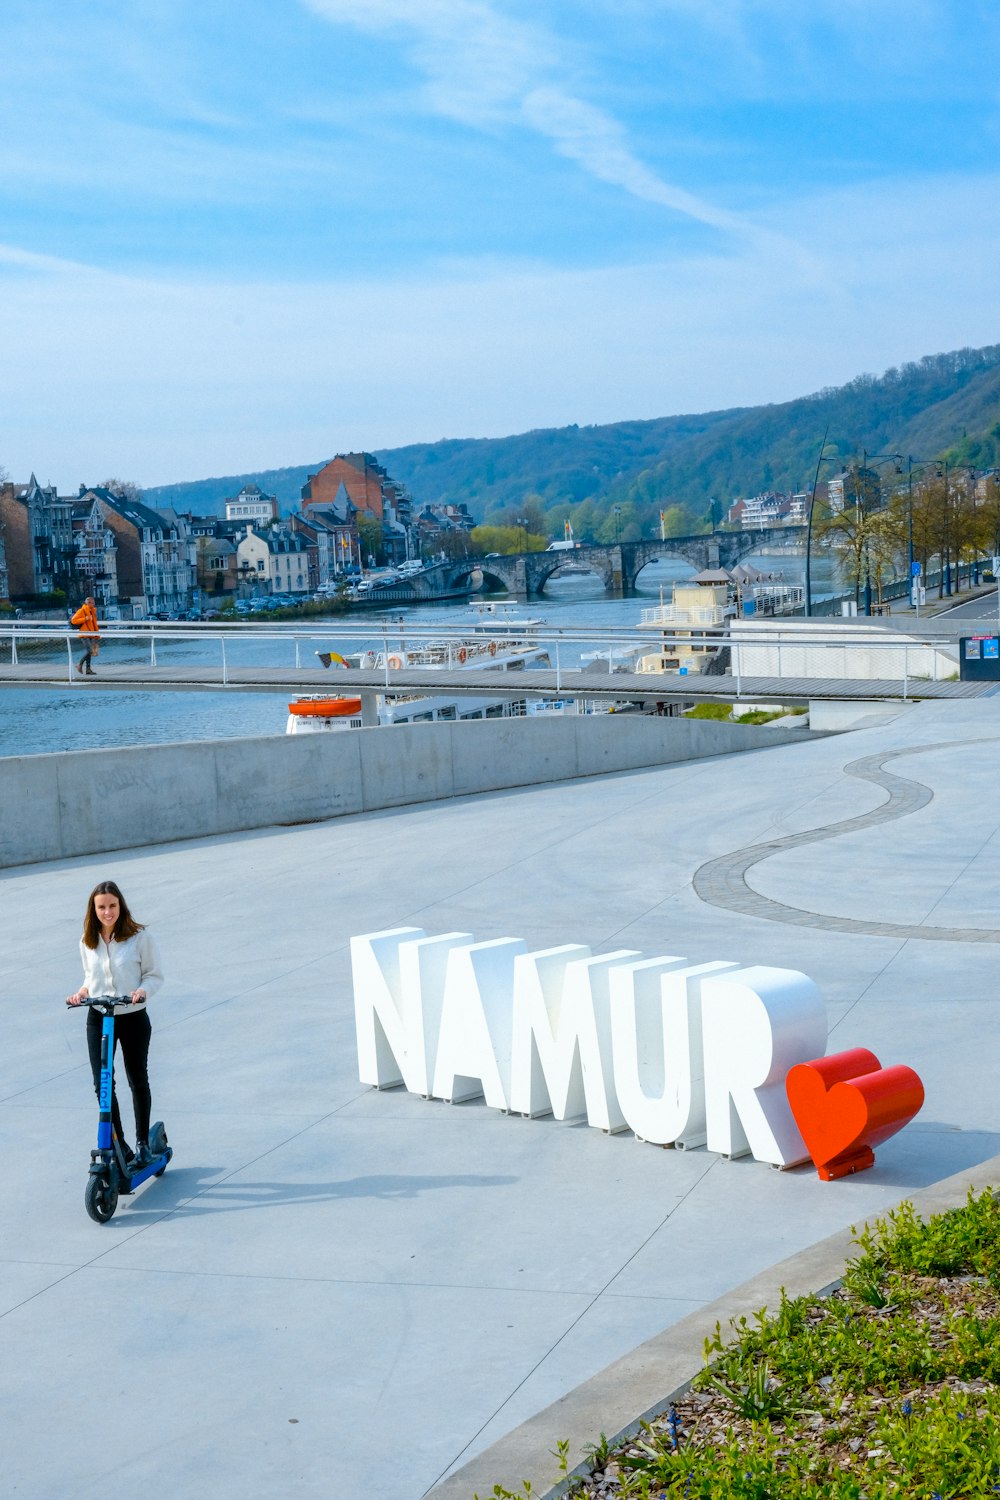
point(618, 565)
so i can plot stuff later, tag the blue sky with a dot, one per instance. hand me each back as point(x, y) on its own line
point(243, 233)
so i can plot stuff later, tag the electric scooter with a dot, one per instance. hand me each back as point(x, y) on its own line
point(110, 1177)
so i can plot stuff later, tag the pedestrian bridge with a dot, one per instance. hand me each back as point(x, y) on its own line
point(782, 663)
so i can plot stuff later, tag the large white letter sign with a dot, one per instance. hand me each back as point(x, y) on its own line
point(561, 1055)
point(398, 988)
point(388, 1025)
point(548, 1036)
point(473, 1055)
point(589, 981)
point(681, 992)
point(685, 1054)
point(756, 1024)
point(649, 1036)
point(423, 969)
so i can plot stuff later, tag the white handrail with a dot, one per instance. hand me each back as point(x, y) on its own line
point(511, 634)
point(806, 634)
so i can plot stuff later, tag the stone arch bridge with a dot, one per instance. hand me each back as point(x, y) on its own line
point(618, 565)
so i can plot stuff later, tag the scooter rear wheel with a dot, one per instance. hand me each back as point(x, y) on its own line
point(101, 1199)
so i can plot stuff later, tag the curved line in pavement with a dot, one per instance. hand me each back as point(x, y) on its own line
point(722, 882)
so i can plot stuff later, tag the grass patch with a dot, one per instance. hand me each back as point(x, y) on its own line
point(710, 711)
point(725, 711)
point(888, 1387)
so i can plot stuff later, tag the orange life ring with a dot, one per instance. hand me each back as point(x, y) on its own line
point(394, 663)
point(462, 653)
point(493, 648)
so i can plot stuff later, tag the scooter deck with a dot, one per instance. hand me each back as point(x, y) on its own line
point(127, 1185)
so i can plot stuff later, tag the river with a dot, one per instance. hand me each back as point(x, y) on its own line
point(34, 721)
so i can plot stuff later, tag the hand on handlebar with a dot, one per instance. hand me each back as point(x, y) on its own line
point(78, 998)
point(137, 996)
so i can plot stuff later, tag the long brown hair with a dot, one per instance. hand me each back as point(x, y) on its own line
point(125, 927)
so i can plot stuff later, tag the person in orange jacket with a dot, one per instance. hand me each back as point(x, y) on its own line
point(85, 620)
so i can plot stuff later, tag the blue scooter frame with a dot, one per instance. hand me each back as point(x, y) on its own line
point(109, 1177)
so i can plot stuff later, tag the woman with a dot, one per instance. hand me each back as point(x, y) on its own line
point(120, 958)
point(85, 620)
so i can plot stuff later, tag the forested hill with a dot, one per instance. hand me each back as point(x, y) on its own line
point(942, 404)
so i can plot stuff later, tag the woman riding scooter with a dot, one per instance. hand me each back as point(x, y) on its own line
point(120, 958)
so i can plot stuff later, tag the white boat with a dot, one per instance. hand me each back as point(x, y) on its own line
point(490, 645)
point(323, 711)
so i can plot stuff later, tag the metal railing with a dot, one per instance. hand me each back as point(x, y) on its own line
point(795, 649)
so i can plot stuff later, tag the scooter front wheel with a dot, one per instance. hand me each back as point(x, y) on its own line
point(101, 1198)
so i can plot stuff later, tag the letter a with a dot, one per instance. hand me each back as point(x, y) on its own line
point(473, 1053)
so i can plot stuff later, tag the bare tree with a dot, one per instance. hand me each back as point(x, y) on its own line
point(123, 489)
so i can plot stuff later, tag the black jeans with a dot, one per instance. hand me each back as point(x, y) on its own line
point(132, 1034)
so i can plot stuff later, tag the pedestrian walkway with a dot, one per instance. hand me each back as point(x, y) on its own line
point(647, 687)
point(335, 1291)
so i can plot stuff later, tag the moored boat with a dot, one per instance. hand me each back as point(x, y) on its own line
point(323, 711)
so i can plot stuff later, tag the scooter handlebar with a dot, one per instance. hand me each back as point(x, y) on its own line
point(105, 1004)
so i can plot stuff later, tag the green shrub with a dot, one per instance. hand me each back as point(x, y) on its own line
point(889, 1387)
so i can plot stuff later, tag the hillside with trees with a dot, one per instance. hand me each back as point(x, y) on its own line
point(944, 405)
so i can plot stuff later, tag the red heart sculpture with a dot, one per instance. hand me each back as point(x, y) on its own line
point(847, 1104)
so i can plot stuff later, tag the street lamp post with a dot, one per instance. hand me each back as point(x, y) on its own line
point(945, 540)
point(915, 585)
point(896, 459)
point(809, 525)
point(618, 525)
point(940, 468)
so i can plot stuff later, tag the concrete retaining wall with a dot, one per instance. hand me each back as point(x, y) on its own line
point(89, 801)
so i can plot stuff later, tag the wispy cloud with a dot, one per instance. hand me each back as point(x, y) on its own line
point(223, 377)
point(487, 70)
point(598, 143)
point(30, 260)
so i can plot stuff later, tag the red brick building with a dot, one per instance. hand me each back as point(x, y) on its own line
point(361, 476)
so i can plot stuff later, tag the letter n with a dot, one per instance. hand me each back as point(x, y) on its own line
point(398, 987)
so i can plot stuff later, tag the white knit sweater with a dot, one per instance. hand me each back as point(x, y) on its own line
point(119, 968)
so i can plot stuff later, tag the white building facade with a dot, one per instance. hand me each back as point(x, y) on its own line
point(252, 507)
point(274, 562)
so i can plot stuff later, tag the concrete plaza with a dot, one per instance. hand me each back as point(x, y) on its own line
point(335, 1291)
